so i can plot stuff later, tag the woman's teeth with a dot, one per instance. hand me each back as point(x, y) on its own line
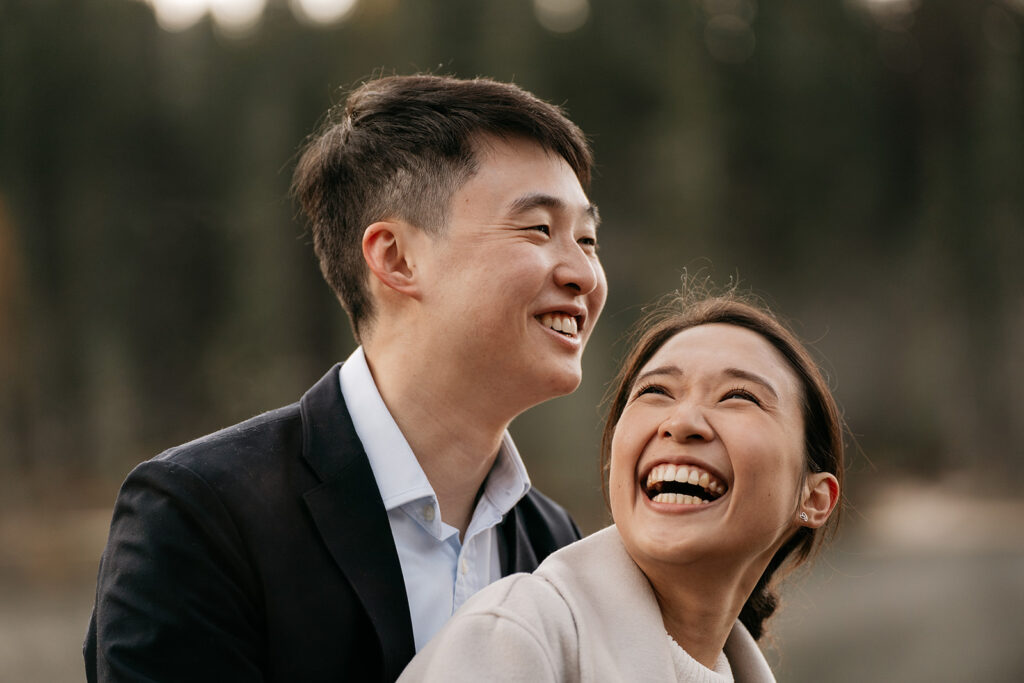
point(679, 499)
point(682, 485)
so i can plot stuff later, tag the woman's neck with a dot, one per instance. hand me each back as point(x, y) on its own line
point(700, 604)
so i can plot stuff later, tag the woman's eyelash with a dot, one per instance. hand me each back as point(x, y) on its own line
point(649, 389)
point(736, 392)
point(742, 392)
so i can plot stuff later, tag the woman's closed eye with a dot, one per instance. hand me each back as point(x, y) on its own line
point(650, 389)
point(742, 394)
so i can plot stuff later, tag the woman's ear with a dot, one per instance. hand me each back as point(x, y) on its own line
point(821, 494)
point(388, 254)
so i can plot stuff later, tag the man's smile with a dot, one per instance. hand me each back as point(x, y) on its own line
point(562, 323)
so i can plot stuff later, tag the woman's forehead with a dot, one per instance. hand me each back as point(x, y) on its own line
point(723, 348)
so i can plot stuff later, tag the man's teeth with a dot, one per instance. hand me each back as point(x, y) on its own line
point(560, 322)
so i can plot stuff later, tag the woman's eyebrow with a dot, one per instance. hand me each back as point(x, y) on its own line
point(671, 370)
point(739, 373)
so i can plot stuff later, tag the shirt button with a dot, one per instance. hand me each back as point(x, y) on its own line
point(428, 513)
point(464, 566)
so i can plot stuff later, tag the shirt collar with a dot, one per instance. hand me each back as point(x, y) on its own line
point(507, 482)
point(398, 473)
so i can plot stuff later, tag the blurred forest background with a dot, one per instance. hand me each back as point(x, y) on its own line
point(860, 163)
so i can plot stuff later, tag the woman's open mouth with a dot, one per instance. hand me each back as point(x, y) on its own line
point(682, 485)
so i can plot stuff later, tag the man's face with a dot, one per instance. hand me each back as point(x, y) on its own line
point(514, 285)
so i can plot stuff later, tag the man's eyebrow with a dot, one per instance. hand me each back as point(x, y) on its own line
point(751, 377)
point(539, 200)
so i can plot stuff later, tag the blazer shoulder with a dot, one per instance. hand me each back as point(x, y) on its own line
point(258, 441)
point(275, 454)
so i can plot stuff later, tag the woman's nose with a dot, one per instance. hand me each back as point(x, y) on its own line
point(687, 423)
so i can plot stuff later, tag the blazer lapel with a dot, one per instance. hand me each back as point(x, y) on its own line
point(514, 551)
point(352, 520)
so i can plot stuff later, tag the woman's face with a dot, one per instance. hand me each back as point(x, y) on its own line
point(707, 457)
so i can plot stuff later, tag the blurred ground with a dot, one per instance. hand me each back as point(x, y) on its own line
point(51, 538)
point(925, 584)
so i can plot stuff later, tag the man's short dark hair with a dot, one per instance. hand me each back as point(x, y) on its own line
point(399, 147)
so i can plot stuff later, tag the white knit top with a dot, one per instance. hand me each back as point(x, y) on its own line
point(690, 670)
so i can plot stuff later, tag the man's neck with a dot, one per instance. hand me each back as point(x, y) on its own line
point(454, 437)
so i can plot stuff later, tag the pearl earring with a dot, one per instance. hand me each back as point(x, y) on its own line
point(803, 516)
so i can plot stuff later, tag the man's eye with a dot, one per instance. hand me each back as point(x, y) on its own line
point(540, 228)
point(590, 242)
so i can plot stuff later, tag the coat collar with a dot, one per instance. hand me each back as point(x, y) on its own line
point(599, 565)
point(351, 518)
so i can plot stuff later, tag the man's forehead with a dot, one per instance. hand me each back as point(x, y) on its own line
point(489, 145)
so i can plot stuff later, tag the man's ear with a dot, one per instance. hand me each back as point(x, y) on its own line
point(821, 494)
point(387, 250)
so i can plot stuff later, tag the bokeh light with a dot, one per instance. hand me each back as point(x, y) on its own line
point(322, 11)
point(237, 16)
point(728, 34)
point(178, 15)
point(562, 16)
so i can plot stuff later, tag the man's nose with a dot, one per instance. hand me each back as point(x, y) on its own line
point(578, 270)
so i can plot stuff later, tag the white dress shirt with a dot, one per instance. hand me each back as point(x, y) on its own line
point(440, 573)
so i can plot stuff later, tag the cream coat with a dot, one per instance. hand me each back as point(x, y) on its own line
point(586, 614)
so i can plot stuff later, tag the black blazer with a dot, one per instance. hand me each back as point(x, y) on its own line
point(263, 552)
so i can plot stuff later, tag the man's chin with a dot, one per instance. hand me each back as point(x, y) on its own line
point(565, 383)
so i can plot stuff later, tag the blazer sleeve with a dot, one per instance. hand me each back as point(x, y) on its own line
point(176, 596)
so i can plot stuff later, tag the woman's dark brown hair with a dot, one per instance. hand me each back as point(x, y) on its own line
point(823, 424)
